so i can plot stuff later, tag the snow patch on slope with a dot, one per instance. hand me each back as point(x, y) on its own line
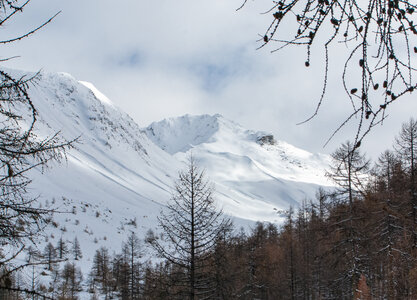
point(99, 95)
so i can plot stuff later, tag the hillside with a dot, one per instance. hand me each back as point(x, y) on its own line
point(119, 175)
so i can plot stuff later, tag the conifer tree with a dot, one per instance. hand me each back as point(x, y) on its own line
point(76, 249)
point(70, 281)
point(101, 274)
point(61, 248)
point(191, 225)
point(374, 39)
point(121, 271)
point(132, 253)
point(406, 147)
point(388, 221)
point(348, 170)
point(21, 150)
point(50, 254)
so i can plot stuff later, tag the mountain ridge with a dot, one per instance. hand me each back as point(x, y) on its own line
point(118, 177)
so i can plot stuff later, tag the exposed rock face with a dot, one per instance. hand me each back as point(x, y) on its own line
point(266, 140)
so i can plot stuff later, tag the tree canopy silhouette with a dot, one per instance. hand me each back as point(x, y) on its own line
point(21, 150)
point(380, 37)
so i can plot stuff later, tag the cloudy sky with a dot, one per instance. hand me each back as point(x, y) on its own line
point(164, 58)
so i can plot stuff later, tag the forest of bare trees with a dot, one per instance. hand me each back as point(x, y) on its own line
point(357, 241)
point(353, 242)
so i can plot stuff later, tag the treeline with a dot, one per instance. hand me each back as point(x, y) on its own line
point(358, 241)
point(25, 278)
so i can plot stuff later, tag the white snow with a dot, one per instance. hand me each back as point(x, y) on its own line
point(253, 179)
point(120, 174)
point(99, 95)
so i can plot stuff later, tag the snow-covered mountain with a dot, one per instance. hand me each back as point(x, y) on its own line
point(255, 175)
point(119, 175)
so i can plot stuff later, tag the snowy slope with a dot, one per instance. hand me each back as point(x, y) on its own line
point(114, 180)
point(255, 175)
point(119, 175)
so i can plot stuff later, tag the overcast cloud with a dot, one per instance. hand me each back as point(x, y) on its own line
point(163, 58)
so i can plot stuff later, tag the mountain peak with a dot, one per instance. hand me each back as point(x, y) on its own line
point(183, 133)
point(180, 134)
point(117, 177)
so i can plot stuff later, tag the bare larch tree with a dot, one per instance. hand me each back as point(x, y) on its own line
point(380, 37)
point(21, 150)
point(191, 225)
